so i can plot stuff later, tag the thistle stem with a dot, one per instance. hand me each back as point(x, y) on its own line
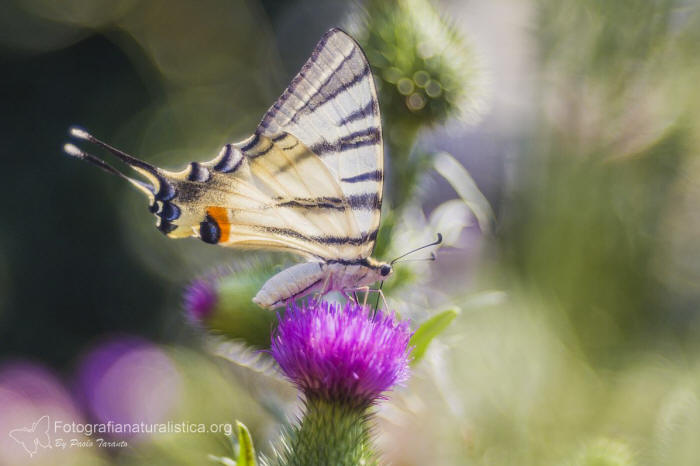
point(330, 433)
point(406, 164)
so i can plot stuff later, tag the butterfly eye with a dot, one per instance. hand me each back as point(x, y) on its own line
point(385, 270)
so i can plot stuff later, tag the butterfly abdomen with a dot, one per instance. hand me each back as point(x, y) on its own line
point(292, 283)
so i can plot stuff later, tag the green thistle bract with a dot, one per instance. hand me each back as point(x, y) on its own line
point(425, 71)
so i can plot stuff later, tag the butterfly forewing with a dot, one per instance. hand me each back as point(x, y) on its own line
point(331, 106)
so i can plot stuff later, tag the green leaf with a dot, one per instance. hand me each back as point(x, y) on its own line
point(464, 184)
point(430, 329)
point(246, 452)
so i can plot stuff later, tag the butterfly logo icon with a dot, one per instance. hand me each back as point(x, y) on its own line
point(31, 438)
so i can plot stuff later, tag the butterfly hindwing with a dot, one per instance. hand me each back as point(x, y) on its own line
point(309, 180)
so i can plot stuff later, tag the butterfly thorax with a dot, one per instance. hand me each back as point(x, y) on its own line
point(347, 275)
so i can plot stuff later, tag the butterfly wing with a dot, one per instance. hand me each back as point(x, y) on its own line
point(309, 180)
point(249, 199)
point(331, 106)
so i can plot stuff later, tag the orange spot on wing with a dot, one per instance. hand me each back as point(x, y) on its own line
point(220, 216)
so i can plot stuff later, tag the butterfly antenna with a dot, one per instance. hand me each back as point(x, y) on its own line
point(74, 151)
point(123, 156)
point(430, 258)
point(434, 243)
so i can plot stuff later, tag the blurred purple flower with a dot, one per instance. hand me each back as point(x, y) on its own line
point(200, 298)
point(342, 354)
point(129, 380)
point(28, 393)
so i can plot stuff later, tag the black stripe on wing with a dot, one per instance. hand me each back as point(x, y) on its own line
point(280, 106)
point(230, 160)
point(364, 237)
point(255, 139)
point(260, 151)
point(365, 137)
point(332, 86)
point(198, 173)
point(374, 175)
point(365, 201)
point(371, 109)
point(334, 203)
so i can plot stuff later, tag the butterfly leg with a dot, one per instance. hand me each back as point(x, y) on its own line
point(324, 289)
point(381, 294)
point(367, 290)
point(363, 289)
point(350, 295)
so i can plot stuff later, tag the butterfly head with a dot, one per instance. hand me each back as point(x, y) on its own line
point(383, 270)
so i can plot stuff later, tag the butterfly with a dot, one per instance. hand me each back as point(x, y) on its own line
point(31, 438)
point(308, 181)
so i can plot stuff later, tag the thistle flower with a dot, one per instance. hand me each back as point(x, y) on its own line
point(343, 359)
point(345, 355)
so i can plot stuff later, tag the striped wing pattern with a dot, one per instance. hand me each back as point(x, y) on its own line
point(331, 106)
point(309, 180)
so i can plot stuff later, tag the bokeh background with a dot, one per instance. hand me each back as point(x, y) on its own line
point(553, 142)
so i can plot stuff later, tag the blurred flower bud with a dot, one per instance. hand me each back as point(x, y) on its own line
point(425, 74)
point(425, 71)
point(222, 303)
point(200, 298)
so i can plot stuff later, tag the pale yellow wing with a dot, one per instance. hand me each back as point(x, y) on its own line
point(278, 196)
point(331, 106)
point(309, 180)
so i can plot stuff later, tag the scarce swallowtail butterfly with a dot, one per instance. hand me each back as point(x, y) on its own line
point(308, 180)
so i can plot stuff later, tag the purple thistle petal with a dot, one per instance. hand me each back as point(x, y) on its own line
point(200, 298)
point(342, 354)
